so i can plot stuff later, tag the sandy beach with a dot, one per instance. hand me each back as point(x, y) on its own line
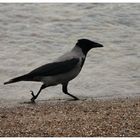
point(111, 117)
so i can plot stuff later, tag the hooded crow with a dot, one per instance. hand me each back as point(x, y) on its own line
point(61, 71)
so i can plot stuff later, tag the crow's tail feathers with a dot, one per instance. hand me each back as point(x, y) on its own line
point(17, 79)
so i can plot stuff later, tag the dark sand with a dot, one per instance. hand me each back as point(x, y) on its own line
point(112, 117)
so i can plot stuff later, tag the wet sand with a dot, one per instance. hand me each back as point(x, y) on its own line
point(111, 117)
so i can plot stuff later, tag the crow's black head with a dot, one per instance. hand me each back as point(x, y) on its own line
point(86, 45)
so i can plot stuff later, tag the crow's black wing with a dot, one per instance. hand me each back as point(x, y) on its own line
point(55, 68)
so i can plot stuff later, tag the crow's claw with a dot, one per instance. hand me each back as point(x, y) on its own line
point(32, 93)
point(76, 98)
point(33, 98)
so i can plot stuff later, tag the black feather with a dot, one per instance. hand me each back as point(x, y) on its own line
point(55, 68)
point(17, 79)
point(50, 69)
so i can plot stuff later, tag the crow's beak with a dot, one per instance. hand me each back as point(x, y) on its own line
point(99, 45)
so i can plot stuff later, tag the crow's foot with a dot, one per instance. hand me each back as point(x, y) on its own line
point(33, 98)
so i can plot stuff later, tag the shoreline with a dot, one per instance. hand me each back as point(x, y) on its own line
point(88, 118)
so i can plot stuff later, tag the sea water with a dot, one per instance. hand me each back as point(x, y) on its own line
point(35, 34)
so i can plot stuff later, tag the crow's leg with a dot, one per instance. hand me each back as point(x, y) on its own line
point(35, 96)
point(65, 90)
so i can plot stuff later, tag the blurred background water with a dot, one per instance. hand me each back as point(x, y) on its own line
point(35, 34)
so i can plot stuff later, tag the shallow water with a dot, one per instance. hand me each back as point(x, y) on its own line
point(34, 34)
